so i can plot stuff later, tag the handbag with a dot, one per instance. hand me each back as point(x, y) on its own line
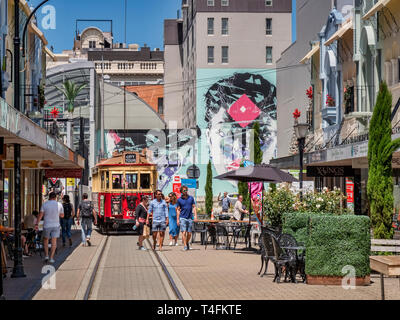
point(146, 231)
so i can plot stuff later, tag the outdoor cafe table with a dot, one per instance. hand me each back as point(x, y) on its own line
point(385, 265)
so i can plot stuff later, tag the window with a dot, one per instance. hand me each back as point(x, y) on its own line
point(145, 180)
point(269, 54)
point(210, 25)
point(268, 26)
point(225, 3)
point(160, 105)
point(131, 180)
point(116, 181)
point(225, 55)
point(210, 54)
point(268, 3)
point(210, 3)
point(224, 23)
point(92, 44)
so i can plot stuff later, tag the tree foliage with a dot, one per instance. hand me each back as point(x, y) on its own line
point(208, 189)
point(258, 154)
point(71, 90)
point(380, 151)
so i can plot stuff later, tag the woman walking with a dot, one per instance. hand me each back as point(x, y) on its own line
point(141, 217)
point(66, 222)
point(173, 226)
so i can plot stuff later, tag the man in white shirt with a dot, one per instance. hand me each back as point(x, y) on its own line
point(237, 213)
point(51, 212)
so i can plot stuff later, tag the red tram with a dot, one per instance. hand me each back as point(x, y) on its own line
point(118, 184)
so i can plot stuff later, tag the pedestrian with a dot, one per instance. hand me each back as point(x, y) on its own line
point(141, 218)
point(66, 222)
point(173, 225)
point(225, 202)
point(88, 214)
point(159, 210)
point(51, 212)
point(239, 212)
point(185, 209)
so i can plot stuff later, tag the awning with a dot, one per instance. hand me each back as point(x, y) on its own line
point(33, 28)
point(348, 25)
point(308, 56)
point(378, 6)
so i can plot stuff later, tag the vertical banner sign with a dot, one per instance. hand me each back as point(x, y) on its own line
point(350, 193)
point(176, 186)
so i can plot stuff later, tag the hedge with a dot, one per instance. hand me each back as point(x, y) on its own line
point(332, 242)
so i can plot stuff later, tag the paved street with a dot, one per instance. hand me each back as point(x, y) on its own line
point(126, 273)
point(222, 274)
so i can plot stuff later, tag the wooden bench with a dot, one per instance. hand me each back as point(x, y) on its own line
point(382, 245)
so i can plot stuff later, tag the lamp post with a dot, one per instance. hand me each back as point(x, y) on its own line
point(301, 130)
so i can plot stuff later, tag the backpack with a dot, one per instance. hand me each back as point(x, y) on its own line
point(67, 210)
point(86, 210)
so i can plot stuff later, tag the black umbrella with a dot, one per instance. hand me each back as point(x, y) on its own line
point(257, 173)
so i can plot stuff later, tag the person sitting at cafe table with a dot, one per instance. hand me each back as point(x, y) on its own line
point(239, 211)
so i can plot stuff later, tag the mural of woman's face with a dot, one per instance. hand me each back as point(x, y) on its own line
point(252, 95)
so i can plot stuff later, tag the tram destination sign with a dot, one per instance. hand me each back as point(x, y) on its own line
point(331, 171)
point(130, 158)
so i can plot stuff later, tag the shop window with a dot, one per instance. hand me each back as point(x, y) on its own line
point(145, 180)
point(117, 181)
point(131, 179)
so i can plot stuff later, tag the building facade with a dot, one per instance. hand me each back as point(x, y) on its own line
point(228, 78)
point(364, 53)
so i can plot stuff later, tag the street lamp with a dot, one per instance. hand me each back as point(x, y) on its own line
point(301, 130)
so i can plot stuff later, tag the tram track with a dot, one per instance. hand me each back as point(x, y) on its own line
point(164, 268)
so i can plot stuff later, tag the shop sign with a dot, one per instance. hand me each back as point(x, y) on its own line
point(190, 183)
point(63, 173)
point(176, 188)
point(359, 150)
point(350, 191)
point(51, 143)
point(339, 154)
point(130, 158)
point(25, 164)
point(331, 171)
point(318, 156)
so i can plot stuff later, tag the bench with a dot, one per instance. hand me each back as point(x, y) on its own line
point(383, 245)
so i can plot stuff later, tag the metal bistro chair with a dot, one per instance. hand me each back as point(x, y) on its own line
point(211, 235)
point(223, 237)
point(280, 260)
point(287, 240)
point(267, 251)
point(199, 227)
point(242, 232)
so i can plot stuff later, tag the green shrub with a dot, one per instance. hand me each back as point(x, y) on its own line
point(332, 241)
point(337, 241)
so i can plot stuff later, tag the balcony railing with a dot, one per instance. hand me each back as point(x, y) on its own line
point(129, 67)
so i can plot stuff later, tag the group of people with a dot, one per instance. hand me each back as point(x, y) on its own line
point(239, 210)
point(177, 214)
point(58, 216)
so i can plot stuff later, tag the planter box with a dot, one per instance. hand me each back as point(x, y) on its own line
point(335, 280)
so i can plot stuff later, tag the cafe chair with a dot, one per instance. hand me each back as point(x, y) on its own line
point(287, 240)
point(282, 260)
point(267, 251)
point(199, 227)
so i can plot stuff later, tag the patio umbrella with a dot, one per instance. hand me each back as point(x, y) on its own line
point(257, 173)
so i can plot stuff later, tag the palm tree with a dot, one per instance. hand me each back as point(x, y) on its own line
point(71, 90)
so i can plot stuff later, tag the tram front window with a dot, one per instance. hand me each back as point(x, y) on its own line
point(145, 180)
point(117, 178)
point(131, 179)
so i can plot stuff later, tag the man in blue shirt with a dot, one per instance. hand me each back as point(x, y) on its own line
point(184, 212)
point(159, 209)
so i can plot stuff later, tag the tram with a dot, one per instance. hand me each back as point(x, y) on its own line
point(117, 185)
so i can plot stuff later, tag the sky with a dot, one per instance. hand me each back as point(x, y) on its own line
point(145, 20)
